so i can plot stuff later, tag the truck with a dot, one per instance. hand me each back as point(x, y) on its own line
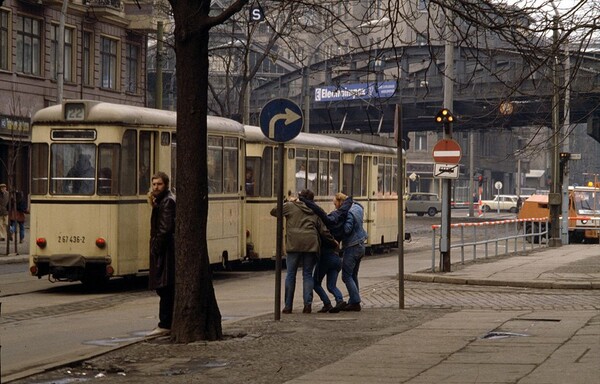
point(584, 213)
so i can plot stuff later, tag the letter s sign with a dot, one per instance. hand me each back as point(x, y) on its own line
point(256, 14)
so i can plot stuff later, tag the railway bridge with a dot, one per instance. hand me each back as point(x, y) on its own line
point(492, 89)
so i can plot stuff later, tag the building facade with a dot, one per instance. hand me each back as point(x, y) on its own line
point(104, 58)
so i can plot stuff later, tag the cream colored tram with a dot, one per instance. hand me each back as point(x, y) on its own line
point(326, 165)
point(311, 162)
point(370, 176)
point(91, 164)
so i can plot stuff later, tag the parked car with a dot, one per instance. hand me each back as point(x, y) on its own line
point(423, 203)
point(504, 202)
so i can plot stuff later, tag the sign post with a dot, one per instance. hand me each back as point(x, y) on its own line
point(281, 121)
point(498, 186)
point(448, 152)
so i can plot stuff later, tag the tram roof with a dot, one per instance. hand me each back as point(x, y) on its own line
point(103, 112)
point(255, 134)
point(353, 146)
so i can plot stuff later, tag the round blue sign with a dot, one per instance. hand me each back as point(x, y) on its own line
point(281, 120)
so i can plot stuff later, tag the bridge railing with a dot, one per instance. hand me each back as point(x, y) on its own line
point(477, 238)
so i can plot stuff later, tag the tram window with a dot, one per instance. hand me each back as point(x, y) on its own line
point(144, 162)
point(313, 170)
point(253, 179)
point(347, 180)
point(365, 177)
point(128, 159)
point(380, 178)
point(230, 169)
point(394, 178)
point(334, 173)
point(357, 172)
point(39, 168)
point(72, 170)
point(300, 170)
point(265, 178)
point(324, 176)
point(215, 164)
point(108, 177)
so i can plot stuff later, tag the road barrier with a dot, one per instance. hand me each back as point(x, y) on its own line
point(467, 236)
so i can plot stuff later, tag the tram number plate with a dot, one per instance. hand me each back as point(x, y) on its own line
point(71, 239)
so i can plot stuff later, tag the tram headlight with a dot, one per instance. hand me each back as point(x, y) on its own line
point(41, 242)
point(100, 243)
point(583, 222)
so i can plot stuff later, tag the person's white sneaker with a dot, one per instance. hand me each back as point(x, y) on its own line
point(158, 331)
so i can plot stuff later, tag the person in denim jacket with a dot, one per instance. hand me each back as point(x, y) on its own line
point(329, 263)
point(353, 248)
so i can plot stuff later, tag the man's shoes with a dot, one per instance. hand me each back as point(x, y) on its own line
point(338, 307)
point(307, 309)
point(286, 310)
point(326, 308)
point(352, 307)
point(158, 331)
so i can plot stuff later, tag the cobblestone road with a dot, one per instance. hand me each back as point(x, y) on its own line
point(424, 295)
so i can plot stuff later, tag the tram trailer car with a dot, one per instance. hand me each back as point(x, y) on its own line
point(326, 165)
point(91, 167)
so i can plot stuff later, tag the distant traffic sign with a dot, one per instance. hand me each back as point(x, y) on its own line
point(447, 151)
point(281, 120)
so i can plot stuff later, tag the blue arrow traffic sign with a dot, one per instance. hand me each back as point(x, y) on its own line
point(281, 120)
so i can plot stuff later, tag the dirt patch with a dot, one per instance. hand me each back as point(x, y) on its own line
point(257, 350)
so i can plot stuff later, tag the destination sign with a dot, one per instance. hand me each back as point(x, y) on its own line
point(355, 91)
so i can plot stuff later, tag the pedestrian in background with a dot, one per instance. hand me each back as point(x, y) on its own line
point(162, 250)
point(17, 215)
point(353, 249)
point(302, 245)
point(330, 263)
point(4, 199)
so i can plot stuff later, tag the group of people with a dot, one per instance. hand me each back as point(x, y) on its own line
point(324, 244)
point(13, 213)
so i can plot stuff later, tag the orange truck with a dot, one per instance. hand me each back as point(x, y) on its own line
point(584, 213)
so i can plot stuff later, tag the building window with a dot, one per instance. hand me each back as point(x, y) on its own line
point(28, 45)
point(4, 41)
point(108, 60)
point(420, 141)
point(131, 71)
point(68, 53)
point(87, 61)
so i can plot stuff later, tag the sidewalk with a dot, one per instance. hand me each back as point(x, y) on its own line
point(492, 346)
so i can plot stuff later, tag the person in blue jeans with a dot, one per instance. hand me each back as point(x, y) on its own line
point(304, 231)
point(353, 248)
point(330, 263)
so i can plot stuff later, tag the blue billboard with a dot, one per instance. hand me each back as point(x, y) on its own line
point(355, 91)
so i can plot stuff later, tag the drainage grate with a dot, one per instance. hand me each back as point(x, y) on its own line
point(502, 335)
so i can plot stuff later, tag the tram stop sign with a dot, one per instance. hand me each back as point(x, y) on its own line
point(281, 120)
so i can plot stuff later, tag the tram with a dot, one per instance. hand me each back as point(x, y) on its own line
point(91, 164)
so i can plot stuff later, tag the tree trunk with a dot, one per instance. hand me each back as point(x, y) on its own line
point(196, 313)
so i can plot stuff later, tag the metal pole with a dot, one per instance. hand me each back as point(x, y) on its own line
point(471, 176)
point(554, 198)
point(400, 188)
point(445, 241)
point(279, 243)
point(159, 74)
point(565, 183)
point(60, 54)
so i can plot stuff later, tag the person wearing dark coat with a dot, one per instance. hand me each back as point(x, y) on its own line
point(330, 263)
point(162, 250)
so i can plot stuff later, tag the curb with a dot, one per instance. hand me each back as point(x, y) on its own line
point(430, 278)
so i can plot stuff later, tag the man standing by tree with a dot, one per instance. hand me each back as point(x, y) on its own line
point(162, 250)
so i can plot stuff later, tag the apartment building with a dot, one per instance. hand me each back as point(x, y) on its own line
point(104, 59)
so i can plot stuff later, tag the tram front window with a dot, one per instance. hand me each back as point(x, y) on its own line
point(72, 169)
